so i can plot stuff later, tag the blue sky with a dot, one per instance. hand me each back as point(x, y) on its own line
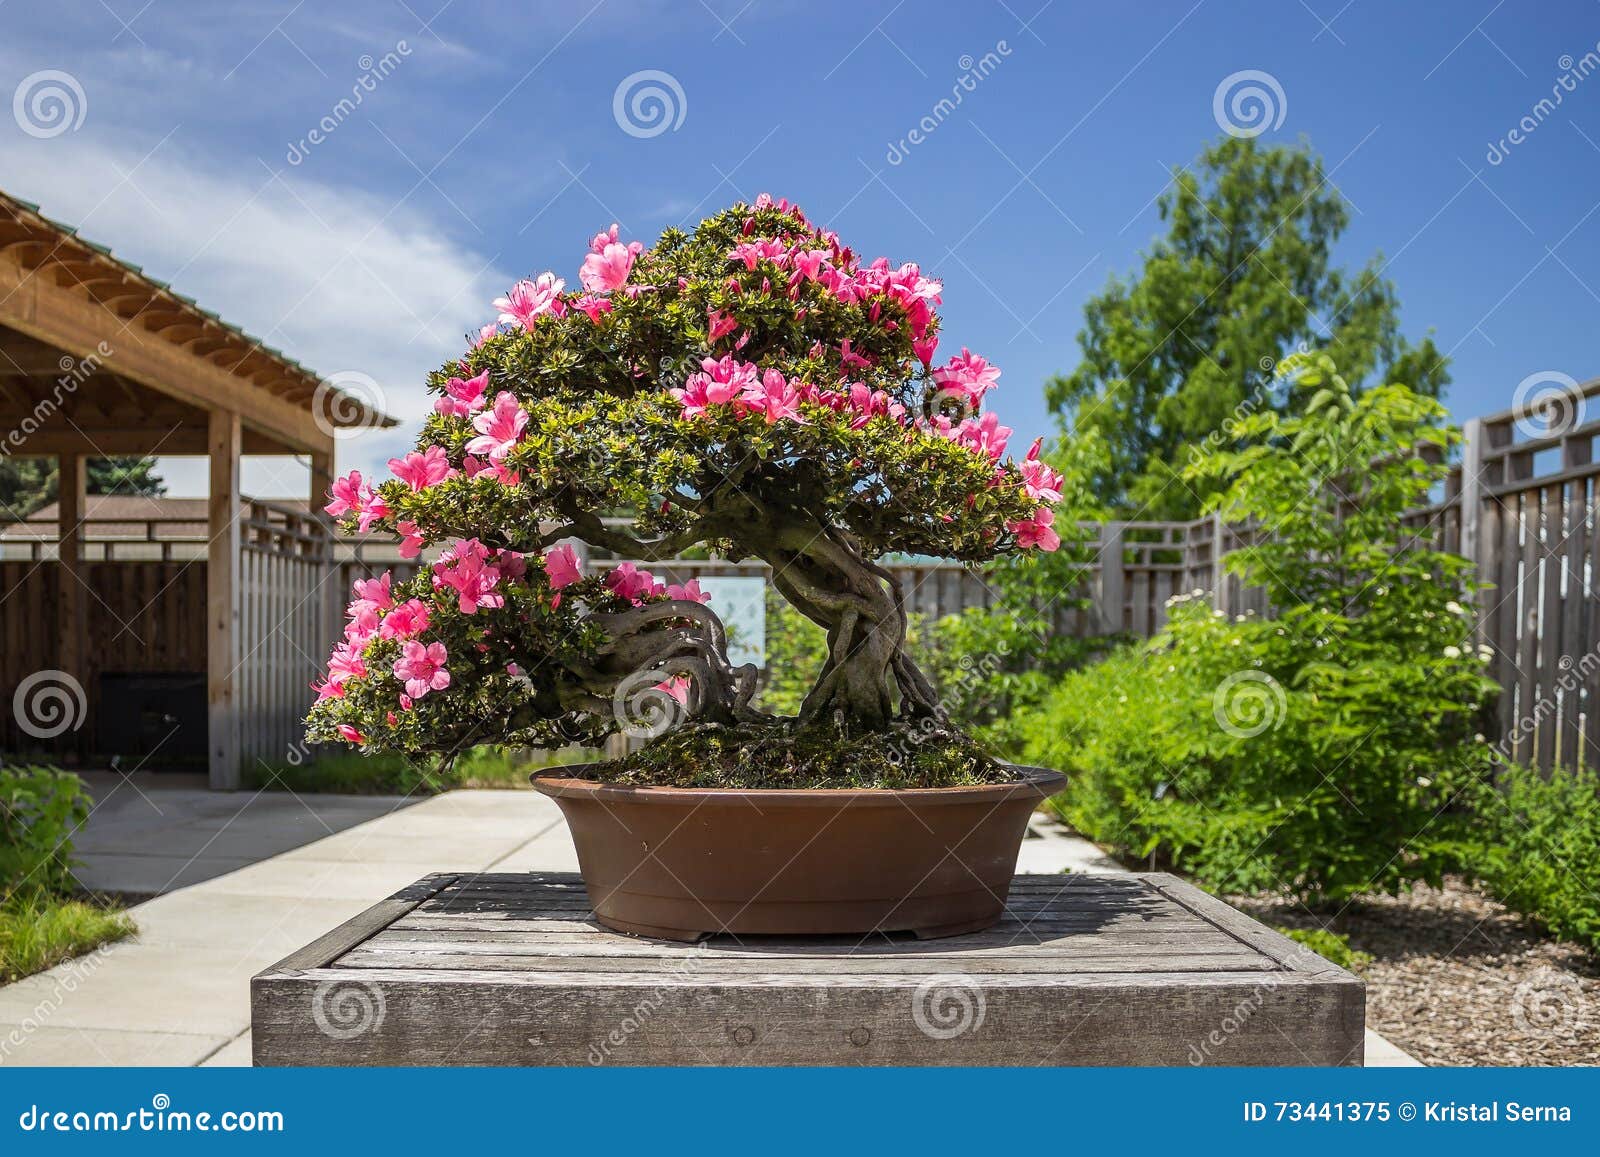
point(491, 149)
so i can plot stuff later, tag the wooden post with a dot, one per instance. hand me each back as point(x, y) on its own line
point(224, 444)
point(72, 471)
point(1111, 576)
point(330, 604)
point(1472, 493)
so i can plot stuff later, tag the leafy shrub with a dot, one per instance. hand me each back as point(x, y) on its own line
point(1539, 848)
point(1331, 946)
point(40, 811)
point(1323, 751)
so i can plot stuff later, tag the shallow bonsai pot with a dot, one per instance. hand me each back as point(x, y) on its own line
point(683, 863)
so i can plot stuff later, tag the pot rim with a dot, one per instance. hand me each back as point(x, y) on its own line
point(558, 782)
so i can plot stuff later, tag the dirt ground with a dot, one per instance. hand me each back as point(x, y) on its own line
point(1456, 979)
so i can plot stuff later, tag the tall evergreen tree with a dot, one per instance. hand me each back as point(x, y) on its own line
point(1243, 276)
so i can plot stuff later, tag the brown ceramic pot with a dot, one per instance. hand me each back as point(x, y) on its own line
point(683, 863)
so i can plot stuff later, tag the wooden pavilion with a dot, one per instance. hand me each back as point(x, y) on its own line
point(99, 360)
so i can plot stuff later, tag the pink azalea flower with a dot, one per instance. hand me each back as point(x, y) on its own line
point(678, 687)
point(689, 592)
point(375, 509)
point(595, 307)
point(484, 334)
point(499, 428)
point(719, 323)
point(406, 620)
point(609, 262)
point(347, 494)
point(346, 663)
point(422, 668)
point(350, 734)
point(752, 251)
point(848, 358)
point(969, 374)
point(410, 539)
point(561, 565)
point(775, 398)
point(629, 582)
point(984, 435)
point(719, 382)
point(1036, 531)
point(421, 470)
point(465, 570)
point(463, 396)
point(528, 301)
point(1041, 482)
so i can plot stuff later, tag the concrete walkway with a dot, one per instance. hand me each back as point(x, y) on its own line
point(241, 880)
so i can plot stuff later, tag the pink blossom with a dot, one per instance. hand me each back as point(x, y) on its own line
point(406, 620)
point(465, 570)
point(410, 539)
point(969, 374)
point(561, 565)
point(350, 734)
point(346, 663)
point(848, 358)
point(528, 301)
point(719, 382)
point(719, 323)
point(678, 687)
point(752, 251)
point(375, 509)
point(1036, 531)
point(463, 396)
point(629, 582)
point(421, 470)
point(688, 592)
point(422, 668)
point(609, 262)
point(499, 428)
point(984, 435)
point(347, 494)
point(484, 333)
point(595, 307)
point(775, 398)
point(1038, 479)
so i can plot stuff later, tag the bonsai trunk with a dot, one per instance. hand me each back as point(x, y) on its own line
point(868, 680)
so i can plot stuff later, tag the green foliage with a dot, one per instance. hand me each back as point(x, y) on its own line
point(41, 809)
point(1538, 848)
point(1321, 751)
point(993, 664)
point(796, 648)
point(1243, 276)
point(1331, 946)
point(388, 773)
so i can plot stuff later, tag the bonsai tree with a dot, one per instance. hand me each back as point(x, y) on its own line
point(751, 388)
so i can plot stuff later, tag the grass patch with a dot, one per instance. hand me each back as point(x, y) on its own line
point(782, 756)
point(39, 930)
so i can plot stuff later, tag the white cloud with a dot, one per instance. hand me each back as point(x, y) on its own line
point(341, 279)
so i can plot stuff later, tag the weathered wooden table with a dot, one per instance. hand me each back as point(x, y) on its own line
point(508, 969)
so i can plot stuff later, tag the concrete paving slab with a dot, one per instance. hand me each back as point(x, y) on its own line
point(233, 1055)
point(50, 1045)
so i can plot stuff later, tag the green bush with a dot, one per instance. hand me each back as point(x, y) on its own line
point(1320, 752)
point(1331, 946)
point(40, 811)
point(1539, 848)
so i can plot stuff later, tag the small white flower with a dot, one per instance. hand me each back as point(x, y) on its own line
point(1455, 608)
point(1452, 652)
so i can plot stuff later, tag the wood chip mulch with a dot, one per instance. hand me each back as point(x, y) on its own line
point(1456, 979)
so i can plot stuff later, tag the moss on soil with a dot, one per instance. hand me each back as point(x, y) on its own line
point(783, 756)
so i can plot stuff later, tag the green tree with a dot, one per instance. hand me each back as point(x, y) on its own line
point(26, 484)
point(1243, 276)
